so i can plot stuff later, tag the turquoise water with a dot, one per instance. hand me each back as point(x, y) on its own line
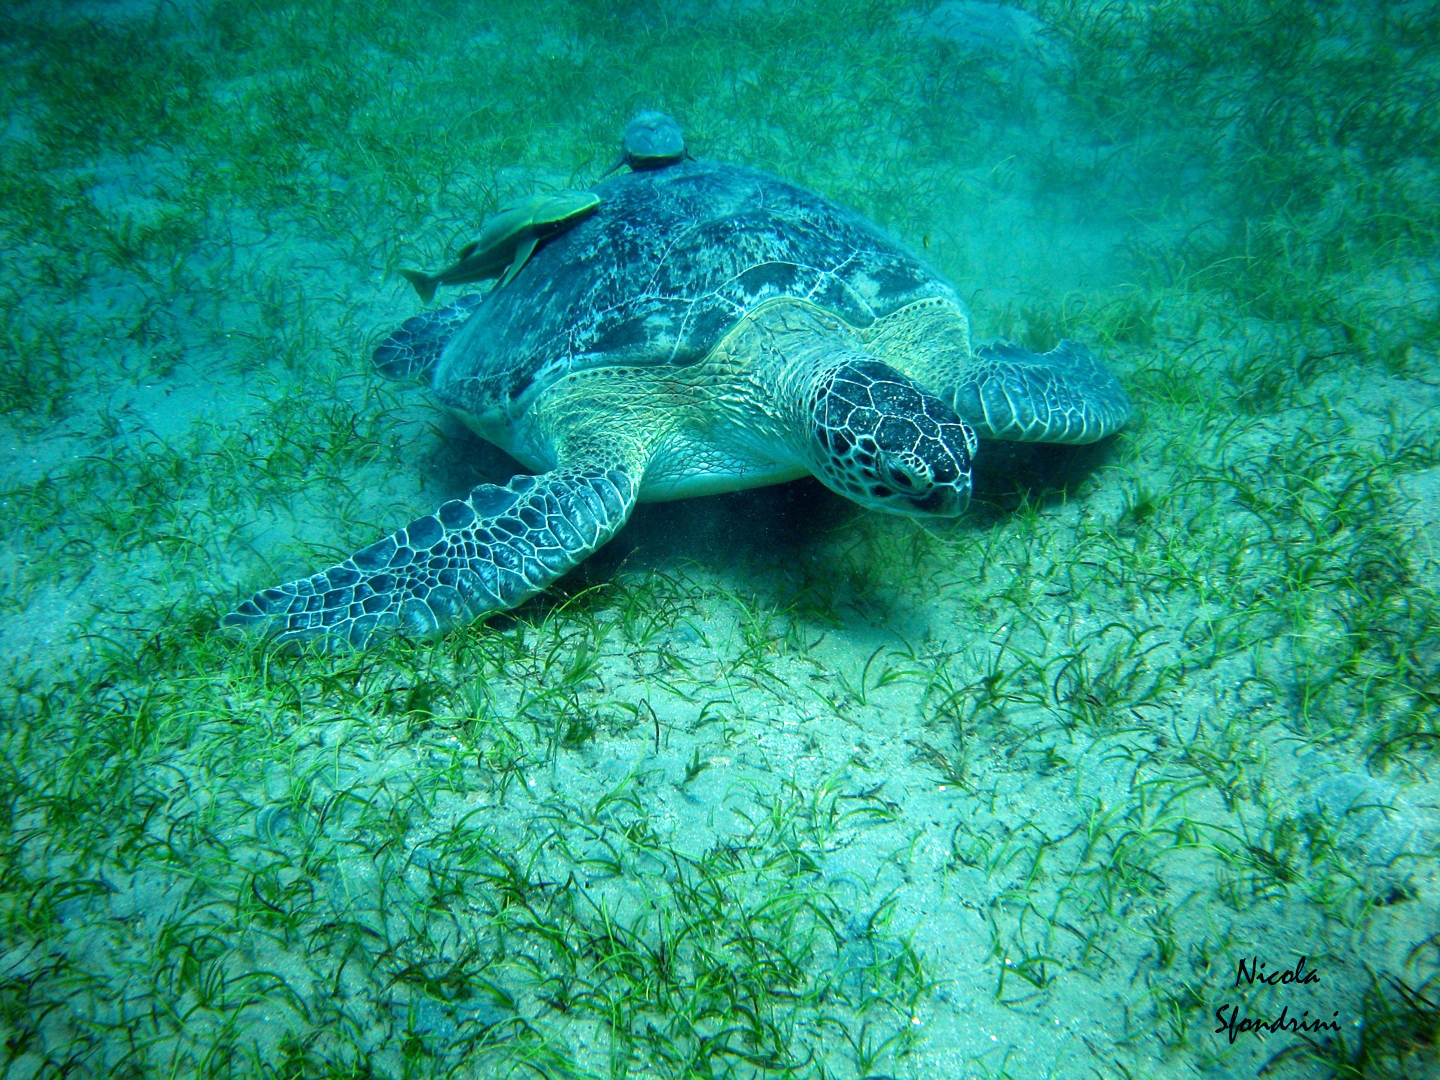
point(771, 785)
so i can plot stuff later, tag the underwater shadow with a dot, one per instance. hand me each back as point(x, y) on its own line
point(1008, 476)
point(775, 524)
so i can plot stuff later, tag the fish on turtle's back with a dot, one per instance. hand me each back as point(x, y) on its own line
point(651, 140)
point(507, 241)
point(666, 265)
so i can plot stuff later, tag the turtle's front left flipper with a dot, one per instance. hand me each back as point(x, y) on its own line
point(473, 556)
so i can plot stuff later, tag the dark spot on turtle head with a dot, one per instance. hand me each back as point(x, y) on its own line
point(520, 384)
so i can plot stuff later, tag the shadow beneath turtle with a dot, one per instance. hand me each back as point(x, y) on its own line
point(773, 525)
point(763, 523)
point(1008, 476)
point(458, 459)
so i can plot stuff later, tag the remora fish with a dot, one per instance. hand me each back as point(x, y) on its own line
point(651, 141)
point(508, 240)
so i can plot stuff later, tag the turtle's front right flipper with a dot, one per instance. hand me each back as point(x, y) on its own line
point(473, 556)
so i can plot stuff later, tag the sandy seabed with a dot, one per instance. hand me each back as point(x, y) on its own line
point(1131, 774)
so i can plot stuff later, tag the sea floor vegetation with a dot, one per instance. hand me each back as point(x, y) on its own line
point(770, 787)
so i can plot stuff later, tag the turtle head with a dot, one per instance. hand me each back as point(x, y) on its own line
point(881, 440)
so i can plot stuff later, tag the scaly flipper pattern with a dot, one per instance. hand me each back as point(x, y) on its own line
point(411, 350)
point(1063, 396)
point(481, 554)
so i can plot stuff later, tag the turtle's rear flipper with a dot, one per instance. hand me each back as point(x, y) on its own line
point(473, 556)
point(411, 351)
point(1063, 396)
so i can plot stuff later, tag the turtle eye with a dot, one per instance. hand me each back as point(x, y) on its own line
point(906, 473)
point(898, 477)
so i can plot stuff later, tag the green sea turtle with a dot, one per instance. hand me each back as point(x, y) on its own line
point(709, 328)
point(651, 140)
point(508, 239)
